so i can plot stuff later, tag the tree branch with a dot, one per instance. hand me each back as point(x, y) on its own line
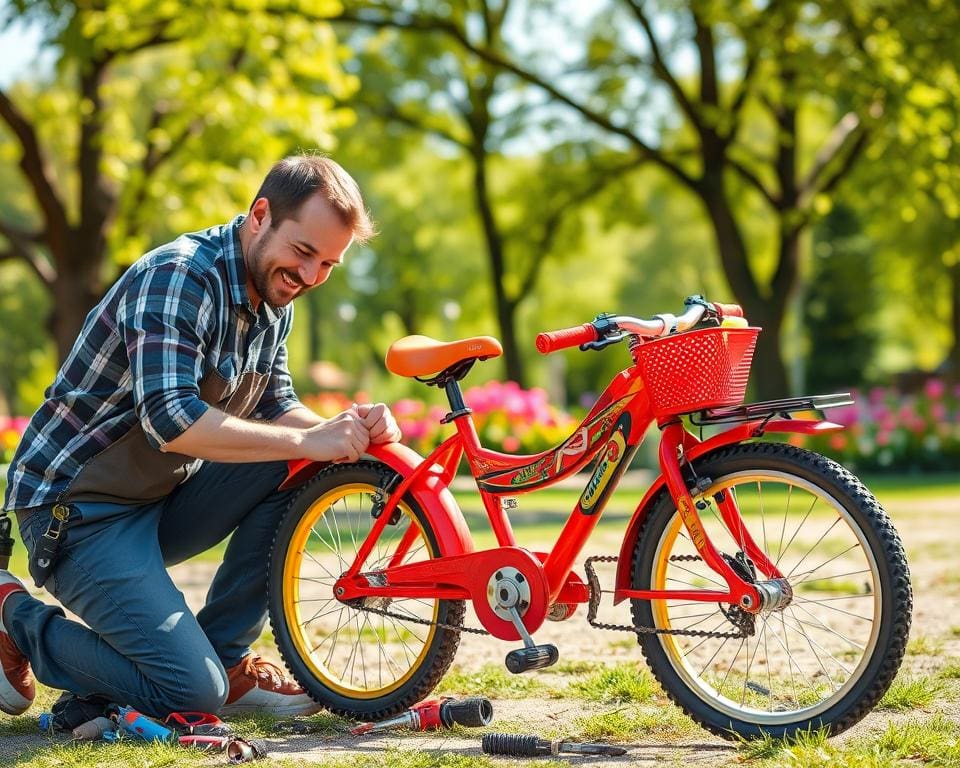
point(753, 180)
point(551, 227)
point(703, 38)
point(34, 167)
point(660, 68)
point(427, 24)
point(20, 248)
point(849, 136)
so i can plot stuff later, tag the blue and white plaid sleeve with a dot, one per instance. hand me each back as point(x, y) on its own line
point(161, 320)
point(279, 396)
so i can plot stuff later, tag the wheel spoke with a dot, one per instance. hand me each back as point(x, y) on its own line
point(798, 662)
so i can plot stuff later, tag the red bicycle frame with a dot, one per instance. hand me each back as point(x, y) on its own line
point(611, 433)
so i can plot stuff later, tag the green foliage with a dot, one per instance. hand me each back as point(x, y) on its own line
point(840, 306)
point(25, 353)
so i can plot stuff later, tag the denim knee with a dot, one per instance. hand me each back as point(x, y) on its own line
point(203, 688)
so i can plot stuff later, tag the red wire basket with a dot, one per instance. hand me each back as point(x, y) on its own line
point(695, 370)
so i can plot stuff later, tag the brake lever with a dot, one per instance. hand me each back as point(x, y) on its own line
point(596, 346)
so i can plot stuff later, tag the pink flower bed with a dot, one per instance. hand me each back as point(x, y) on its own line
point(888, 429)
point(507, 417)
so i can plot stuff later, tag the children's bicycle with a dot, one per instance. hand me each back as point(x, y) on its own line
point(767, 588)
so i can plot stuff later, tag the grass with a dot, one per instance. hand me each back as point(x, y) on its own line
point(923, 645)
point(627, 682)
point(912, 693)
point(631, 724)
point(933, 742)
point(951, 671)
point(493, 681)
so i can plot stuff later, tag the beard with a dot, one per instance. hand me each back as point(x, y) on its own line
point(262, 276)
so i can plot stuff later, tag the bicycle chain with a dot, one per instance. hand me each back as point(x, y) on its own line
point(592, 606)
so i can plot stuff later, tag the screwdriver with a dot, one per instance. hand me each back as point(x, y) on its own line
point(517, 745)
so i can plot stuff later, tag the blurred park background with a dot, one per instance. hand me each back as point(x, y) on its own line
point(530, 164)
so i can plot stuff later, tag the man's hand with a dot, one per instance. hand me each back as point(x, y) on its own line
point(379, 422)
point(340, 439)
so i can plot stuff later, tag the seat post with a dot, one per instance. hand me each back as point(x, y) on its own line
point(457, 406)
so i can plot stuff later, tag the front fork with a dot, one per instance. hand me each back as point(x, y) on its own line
point(740, 592)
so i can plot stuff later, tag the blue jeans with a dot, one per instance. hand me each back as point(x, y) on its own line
point(142, 646)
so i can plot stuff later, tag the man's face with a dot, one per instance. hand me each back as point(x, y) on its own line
point(287, 261)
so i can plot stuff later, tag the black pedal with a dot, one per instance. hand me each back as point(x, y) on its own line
point(534, 657)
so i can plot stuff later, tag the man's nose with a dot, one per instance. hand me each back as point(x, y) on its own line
point(311, 275)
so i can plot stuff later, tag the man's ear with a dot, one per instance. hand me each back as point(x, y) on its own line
point(259, 215)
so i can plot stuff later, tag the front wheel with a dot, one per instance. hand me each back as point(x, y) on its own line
point(822, 661)
point(375, 657)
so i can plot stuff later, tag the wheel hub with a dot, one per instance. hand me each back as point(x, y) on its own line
point(506, 589)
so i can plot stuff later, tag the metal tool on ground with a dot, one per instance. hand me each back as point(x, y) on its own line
point(519, 745)
point(445, 712)
point(94, 729)
point(137, 725)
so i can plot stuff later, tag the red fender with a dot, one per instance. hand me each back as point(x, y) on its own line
point(431, 493)
point(696, 450)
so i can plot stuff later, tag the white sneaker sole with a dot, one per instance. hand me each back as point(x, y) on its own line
point(257, 700)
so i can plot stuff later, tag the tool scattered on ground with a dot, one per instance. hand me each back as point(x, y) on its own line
point(139, 726)
point(94, 729)
point(197, 724)
point(198, 730)
point(518, 745)
point(445, 712)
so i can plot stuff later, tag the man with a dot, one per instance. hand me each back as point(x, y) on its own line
point(183, 360)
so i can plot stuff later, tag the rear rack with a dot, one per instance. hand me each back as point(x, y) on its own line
point(769, 409)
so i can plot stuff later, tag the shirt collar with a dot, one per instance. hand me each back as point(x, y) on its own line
point(237, 275)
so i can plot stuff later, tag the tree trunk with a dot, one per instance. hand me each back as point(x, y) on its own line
point(769, 377)
point(76, 289)
point(506, 308)
point(952, 363)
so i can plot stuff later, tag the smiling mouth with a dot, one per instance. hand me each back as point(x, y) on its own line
point(290, 282)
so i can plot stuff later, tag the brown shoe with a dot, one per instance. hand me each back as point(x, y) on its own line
point(17, 688)
point(256, 685)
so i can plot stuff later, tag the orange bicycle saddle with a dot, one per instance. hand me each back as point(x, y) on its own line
point(421, 355)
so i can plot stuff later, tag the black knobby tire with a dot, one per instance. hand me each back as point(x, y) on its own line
point(843, 635)
point(391, 664)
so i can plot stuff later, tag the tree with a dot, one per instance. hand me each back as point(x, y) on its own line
point(736, 125)
point(158, 120)
point(908, 191)
point(840, 304)
point(441, 90)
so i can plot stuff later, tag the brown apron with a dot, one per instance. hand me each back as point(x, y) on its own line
point(131, 471)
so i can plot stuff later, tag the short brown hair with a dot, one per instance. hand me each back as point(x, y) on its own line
point(294, 179)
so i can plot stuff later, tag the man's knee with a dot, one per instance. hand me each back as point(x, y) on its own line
point(203, 687)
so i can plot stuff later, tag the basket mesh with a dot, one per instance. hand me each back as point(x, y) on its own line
point(701, 369)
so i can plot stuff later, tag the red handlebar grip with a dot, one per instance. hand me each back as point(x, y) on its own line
point(566, 337)
point(728, 310)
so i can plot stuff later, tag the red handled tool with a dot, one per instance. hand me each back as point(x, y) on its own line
point(473, 712)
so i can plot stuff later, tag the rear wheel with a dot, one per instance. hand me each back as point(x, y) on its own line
point(354, 661)
point(826, 658)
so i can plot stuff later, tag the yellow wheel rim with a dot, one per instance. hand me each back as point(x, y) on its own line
point(352, 651)
point(800, 660)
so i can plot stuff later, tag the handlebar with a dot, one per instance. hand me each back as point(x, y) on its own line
point(607, 329)
point(551, 341)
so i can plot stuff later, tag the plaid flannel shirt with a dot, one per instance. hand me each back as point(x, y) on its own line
point(178, 313)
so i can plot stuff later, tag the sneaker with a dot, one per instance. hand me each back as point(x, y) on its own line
point(17, 688)
point(256, 685)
